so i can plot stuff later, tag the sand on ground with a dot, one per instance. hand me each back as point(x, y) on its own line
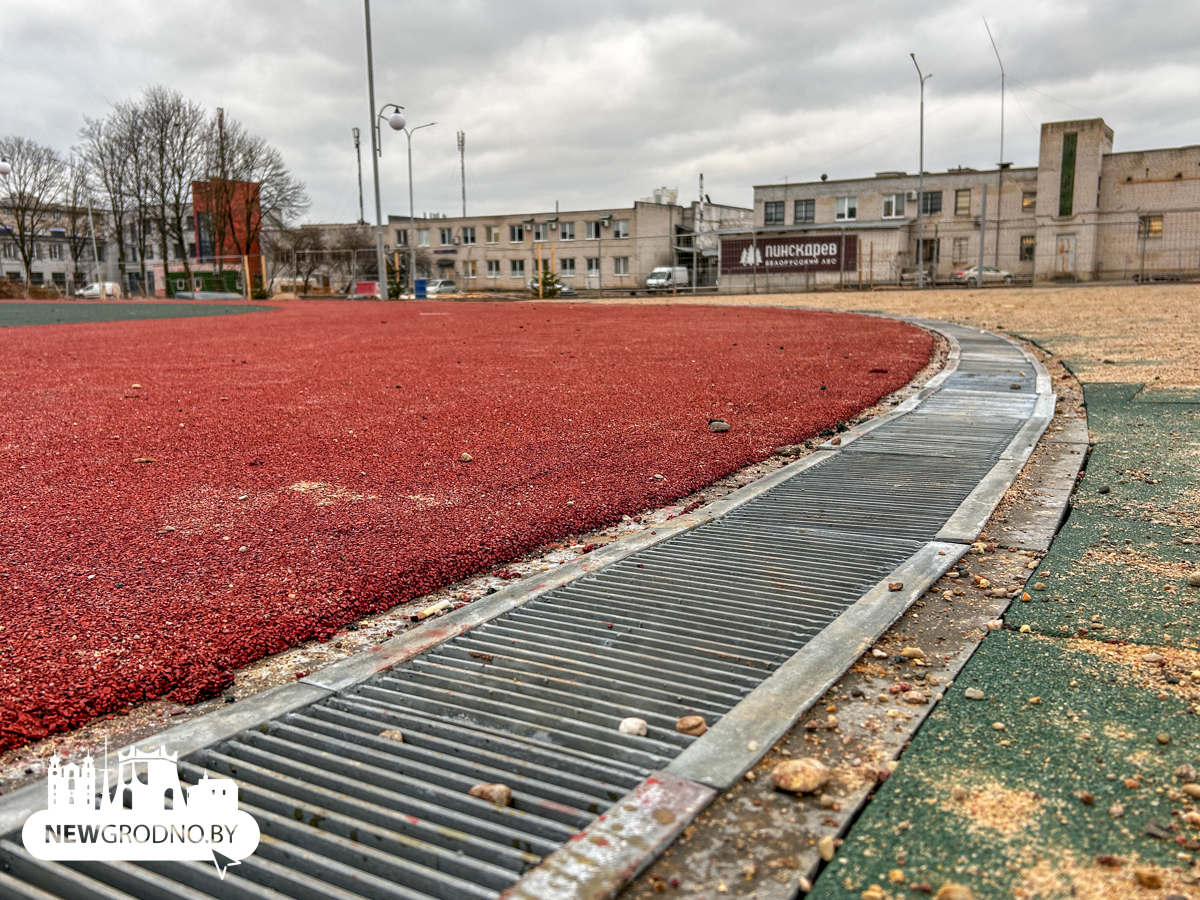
point(1121, 333)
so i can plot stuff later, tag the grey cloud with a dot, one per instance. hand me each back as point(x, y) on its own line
point(596, 104)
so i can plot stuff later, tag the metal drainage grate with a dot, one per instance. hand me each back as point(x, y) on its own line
point(533, 697)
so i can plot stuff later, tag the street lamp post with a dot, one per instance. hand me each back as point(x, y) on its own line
point(397, 122)
point(921, 183)
point(412, 216)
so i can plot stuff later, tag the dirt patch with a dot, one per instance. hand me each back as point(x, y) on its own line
point(1063, 876)
point(988, 805)
point(323, 494)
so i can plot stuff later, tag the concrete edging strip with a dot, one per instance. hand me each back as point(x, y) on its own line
point(746, 732)
point(598, 861)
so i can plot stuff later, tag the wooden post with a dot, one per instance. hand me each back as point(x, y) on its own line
point(246, 273)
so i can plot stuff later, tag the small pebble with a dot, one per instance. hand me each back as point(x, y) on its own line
point(499, 794)
point(693, 725)
point(392, 735)
point(1163, 738)
point(1116, 810)
point(800, 776)
point(959, 793)
point(466, 457)
point(998, 726)
point(1148, 878)
point(882, 654)
point(1194, 579)
point(718, 426)
point(1039, 586)
point(633, 725)
point(826, 847)
point(912, 653)
point(951, 891)
point(974, 694)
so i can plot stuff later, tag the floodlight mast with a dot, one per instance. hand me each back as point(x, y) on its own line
point(921, 182)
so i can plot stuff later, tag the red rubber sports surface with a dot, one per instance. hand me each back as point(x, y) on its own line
point(326, 439)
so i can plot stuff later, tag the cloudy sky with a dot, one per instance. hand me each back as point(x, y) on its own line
point(596, 104)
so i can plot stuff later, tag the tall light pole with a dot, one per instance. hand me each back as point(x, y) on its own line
point(375, 151)
point(921, 183)
point(1000, 164)
point(362, 219)
point(412, 216)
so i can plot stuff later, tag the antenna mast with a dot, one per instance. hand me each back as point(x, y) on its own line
point(1000, 165)
point(462, 167)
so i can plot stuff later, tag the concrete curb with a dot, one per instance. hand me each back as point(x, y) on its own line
point(973, 514)
point(597, 862)
point(737, 742)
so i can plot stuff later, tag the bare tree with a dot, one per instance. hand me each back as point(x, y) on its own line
point(175, 131)
point(77, 196)
point(356, 257)
point(129, 120)
point(32, 193)
point(250, 187)
point(107, 164)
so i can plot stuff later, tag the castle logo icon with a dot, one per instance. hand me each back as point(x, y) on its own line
point(146, 815)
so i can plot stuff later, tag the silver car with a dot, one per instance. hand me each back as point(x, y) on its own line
point(970, 277)
point(436, 286)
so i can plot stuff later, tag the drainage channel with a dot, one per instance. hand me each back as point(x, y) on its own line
point(741, 614)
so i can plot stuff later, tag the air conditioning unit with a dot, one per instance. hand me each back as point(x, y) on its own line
point(910, 195)
point(458, 240)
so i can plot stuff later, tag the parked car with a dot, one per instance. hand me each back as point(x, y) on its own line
point(100, 290)
point(665, 278)
point(970, 277)
point(561, 290)
point(436, 286)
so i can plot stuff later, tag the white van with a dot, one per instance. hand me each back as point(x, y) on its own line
point(98, 291)
point(664, 278)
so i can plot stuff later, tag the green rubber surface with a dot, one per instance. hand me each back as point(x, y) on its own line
point(1122, 559)
point(73, 313)
point(1109, 656)
point(1022, 825)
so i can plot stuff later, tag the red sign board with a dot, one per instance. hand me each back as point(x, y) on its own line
point(805, 253)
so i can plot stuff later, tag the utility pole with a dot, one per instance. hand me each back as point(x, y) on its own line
point(999, 165)
point(362, 220)
point(921, 183)
point(982, 232)
point(462, 167)
point(380, 259)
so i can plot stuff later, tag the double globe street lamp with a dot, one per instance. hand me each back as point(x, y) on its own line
point(397, 122)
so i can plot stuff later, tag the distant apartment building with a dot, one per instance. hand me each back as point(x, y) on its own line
point(1083, 213)
point(598, 249)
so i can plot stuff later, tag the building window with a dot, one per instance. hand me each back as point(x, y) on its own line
point(1028, 201)
point(516, 234)
point(962, 202)
point(593, 265)
point(491, 234)
point(1025, 251)
point(847, 208)
point(10, 251)
point(1150, 226)
point(401, 237)
point(516, 268)
point(567, 231)
point(469, 269)
point(1066, 182)
point(961, 249)
point(468, 234)
point(620, 265)
point(621, 228)
point(539, 231)
point(593, 231)
point(566, 266)
point(804, 211)
point(56, 251)
point(773, 212)
point(493, 268)
point(445, 236)
point(931, 203)
point(893, 206)
point(422, 237)
point(59, 279)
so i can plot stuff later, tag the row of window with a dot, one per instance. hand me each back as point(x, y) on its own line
point(541, 231)
point(566, 267)
point(846, 208)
